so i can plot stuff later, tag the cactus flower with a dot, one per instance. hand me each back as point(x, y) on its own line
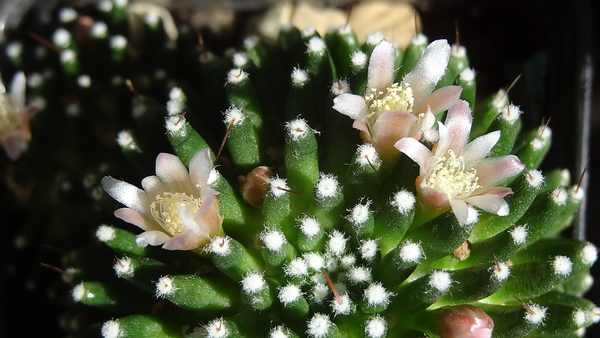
point(390, 111)
point(463, 321)
point(14, 118)
point(456, 173)
point(177, 208)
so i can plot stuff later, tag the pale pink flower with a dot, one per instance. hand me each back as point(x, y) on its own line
point(14, 118)
point(390, 111)
point(463, 321)
point(177, 208)
point(456, 173)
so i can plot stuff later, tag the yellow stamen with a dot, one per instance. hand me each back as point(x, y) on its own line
point(397, 97)
point(166, 213)
point(449, 175)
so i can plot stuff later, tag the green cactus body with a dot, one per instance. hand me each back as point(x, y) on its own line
point(304, 223)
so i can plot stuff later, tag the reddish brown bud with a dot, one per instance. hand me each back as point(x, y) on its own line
point(254, 185)
point(463, 321)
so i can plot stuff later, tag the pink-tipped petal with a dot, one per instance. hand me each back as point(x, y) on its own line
point(173, 173)
point(480, 148)
point(362, 126)
point(381, 66)
point(441, 100)
point(428, 70)
point(459, 123)
point(153, 237)
point(500, 191)
point(208, 217)
point(494, 204)
point(351, 105)
point(131, 216)
point(13, 145)
point(494, 171)
point(460, 210)
point(389, 128)
point(127, 194)
point(186, 240)
point(430, 196)
point(200, 167)
point(28, 114)
point(415, 150)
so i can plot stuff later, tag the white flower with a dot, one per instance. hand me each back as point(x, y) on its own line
point(14, 118)
point(390, 111)
point(457, 172)
point(177, 208)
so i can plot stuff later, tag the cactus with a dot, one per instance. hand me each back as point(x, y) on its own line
point(303, 188)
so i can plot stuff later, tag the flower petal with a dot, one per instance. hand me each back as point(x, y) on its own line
point(459, 123)
point(414, 149)
point(441, 147)
point(479, 148)
point(17, 89)
point(142, 221)
point(153, 237)
point(500, 191)
point(497, 170)
point(188, 218)
point(200, 166)
point(441, 100)
point(381, 66)
point(491, 203)
point(460, 210)
point(427, 121)
point(14, 144)
point(127, 194)
point(362, 126)
point(430, 196)
point(428, 70)
point(351, 105)
point(28, 114)
point(187, 240)
point(173, 173)
point(153, 186)
point(390, 127)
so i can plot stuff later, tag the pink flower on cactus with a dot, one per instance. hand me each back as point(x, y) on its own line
point(177, 208)
point(390, 111)
point(14, 118)
point(456, 173)
point(463, 321)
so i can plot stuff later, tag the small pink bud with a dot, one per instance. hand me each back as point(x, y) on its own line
point(463, 321)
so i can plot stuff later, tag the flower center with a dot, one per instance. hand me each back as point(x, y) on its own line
point(449, 175)
point(397, 97)
point(166, 210)
point(8, 119)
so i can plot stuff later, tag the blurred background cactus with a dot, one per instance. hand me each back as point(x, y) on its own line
point(255, 207)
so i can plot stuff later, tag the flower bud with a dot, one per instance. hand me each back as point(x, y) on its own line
point(463, 321)
point(254, 185)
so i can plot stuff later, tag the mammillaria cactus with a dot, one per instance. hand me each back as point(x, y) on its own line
point(310, 187)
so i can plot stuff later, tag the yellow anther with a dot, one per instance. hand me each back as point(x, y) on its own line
point(166, 210)
point(397, 97)
point(449, 175)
